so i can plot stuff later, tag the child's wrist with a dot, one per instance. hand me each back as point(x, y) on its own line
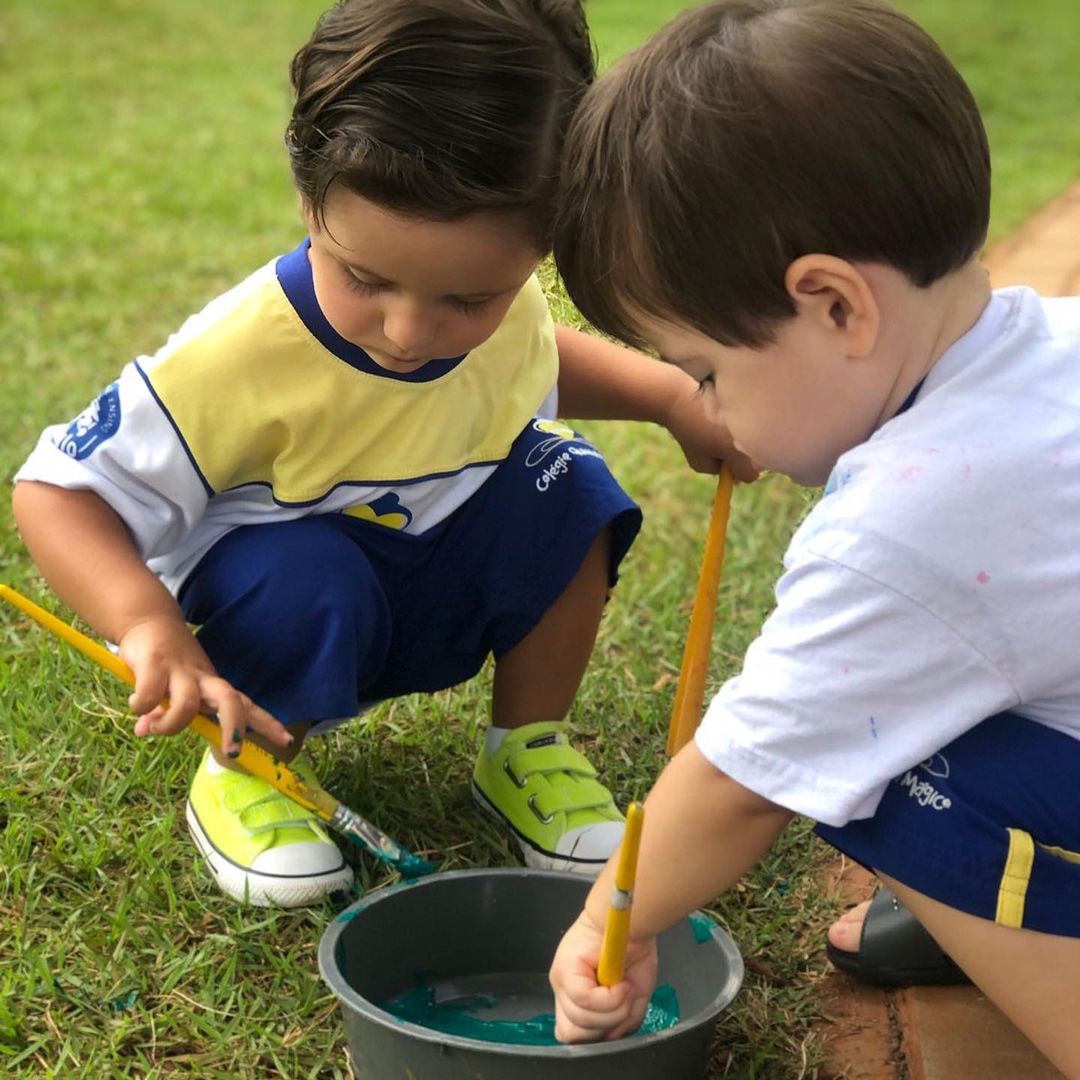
point(170, 621)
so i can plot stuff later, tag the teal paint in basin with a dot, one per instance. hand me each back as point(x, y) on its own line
point(484, 940)
point(476, 1016)
point(702, 927)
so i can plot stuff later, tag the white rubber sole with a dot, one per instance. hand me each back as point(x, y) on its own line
point(535, 856)
point(265, 890)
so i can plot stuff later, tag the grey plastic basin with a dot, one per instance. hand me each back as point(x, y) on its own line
point(472, 925)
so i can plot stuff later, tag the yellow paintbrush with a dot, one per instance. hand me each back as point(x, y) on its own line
point(609, 971)
point(686, 713)
point(253, 758)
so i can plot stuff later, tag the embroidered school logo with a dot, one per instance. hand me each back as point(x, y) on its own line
point(937, 765)
point(386, 510)
point(923, 792)
point(555, 453)
point(96, 423)
point(559, 433)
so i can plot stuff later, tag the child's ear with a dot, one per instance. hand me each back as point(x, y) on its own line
point(838, 297)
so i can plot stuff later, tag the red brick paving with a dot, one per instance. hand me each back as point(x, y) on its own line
point(954, 1033)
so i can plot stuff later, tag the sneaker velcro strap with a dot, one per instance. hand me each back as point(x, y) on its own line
point(548, 759)
point(570, 797)
point(273, 811)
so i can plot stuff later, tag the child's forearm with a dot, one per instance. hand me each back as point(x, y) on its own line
point(703, 831)
point(86, 554)
point(599, 380)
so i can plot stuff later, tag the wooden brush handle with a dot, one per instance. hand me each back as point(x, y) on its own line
point(686, 713)
point(253, 758)
point(609, 971)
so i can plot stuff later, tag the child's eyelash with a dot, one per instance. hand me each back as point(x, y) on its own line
point(370, 288)
point(469, 307)
point(704, 383)
point(366, 288)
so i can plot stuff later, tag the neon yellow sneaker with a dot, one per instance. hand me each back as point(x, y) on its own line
point(547, 794)
point(260, 846)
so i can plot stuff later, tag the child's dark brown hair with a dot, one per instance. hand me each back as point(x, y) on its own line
point(440, 108)
point(750, 132)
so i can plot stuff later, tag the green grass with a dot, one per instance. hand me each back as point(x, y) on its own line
point(142, 173)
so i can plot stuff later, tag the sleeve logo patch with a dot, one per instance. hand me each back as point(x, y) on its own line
point(96, 423)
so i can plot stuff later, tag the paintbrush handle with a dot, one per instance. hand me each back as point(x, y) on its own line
point(686, 713)
point(609, 971)
point(252, 757)
point(87, 646)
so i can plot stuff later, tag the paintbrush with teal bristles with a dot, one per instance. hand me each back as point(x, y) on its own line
point(253, 758)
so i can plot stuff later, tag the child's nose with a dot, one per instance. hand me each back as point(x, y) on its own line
point(410, 327)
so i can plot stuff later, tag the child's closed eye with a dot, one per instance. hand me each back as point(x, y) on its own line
point(470, 307)
point(365, 288)
point(373, 288)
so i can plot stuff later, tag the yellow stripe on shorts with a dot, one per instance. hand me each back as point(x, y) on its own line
point(1015, 879)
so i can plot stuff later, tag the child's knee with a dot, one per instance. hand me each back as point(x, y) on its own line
point(287, 587)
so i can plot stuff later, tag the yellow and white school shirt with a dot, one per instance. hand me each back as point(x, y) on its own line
point(256, 410)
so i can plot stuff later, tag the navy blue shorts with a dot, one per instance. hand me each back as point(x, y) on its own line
point(318, 617)
point(990, 825)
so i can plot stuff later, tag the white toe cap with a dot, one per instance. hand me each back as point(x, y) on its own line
point(597, 841)
point(304, 859)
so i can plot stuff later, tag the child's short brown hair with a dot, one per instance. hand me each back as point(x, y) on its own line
point(750, 132)
point(439, 108)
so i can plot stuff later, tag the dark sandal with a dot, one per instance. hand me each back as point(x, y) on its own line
point(895, 950)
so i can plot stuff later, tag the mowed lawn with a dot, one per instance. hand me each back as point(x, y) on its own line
point(142, 172)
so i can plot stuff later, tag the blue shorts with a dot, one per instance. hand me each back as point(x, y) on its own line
point(318, 617)
point(989, 825)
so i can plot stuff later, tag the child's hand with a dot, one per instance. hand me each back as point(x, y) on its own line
point(586, 1011)
point(168, 662)
point(703, 437)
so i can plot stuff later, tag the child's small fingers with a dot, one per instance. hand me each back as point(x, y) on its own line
point(228, 704)
point(183, 704)
point(595, 1017)
point(148, 692)
point(237, 714)
point(572, 1027)
point(631, 1023)
point(575, 1025)
point(583, 989)
point(143, 724)
point(567, 1032)
point(171, 722)
point(267, 725)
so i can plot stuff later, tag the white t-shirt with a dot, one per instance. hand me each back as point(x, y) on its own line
point(936, 583)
